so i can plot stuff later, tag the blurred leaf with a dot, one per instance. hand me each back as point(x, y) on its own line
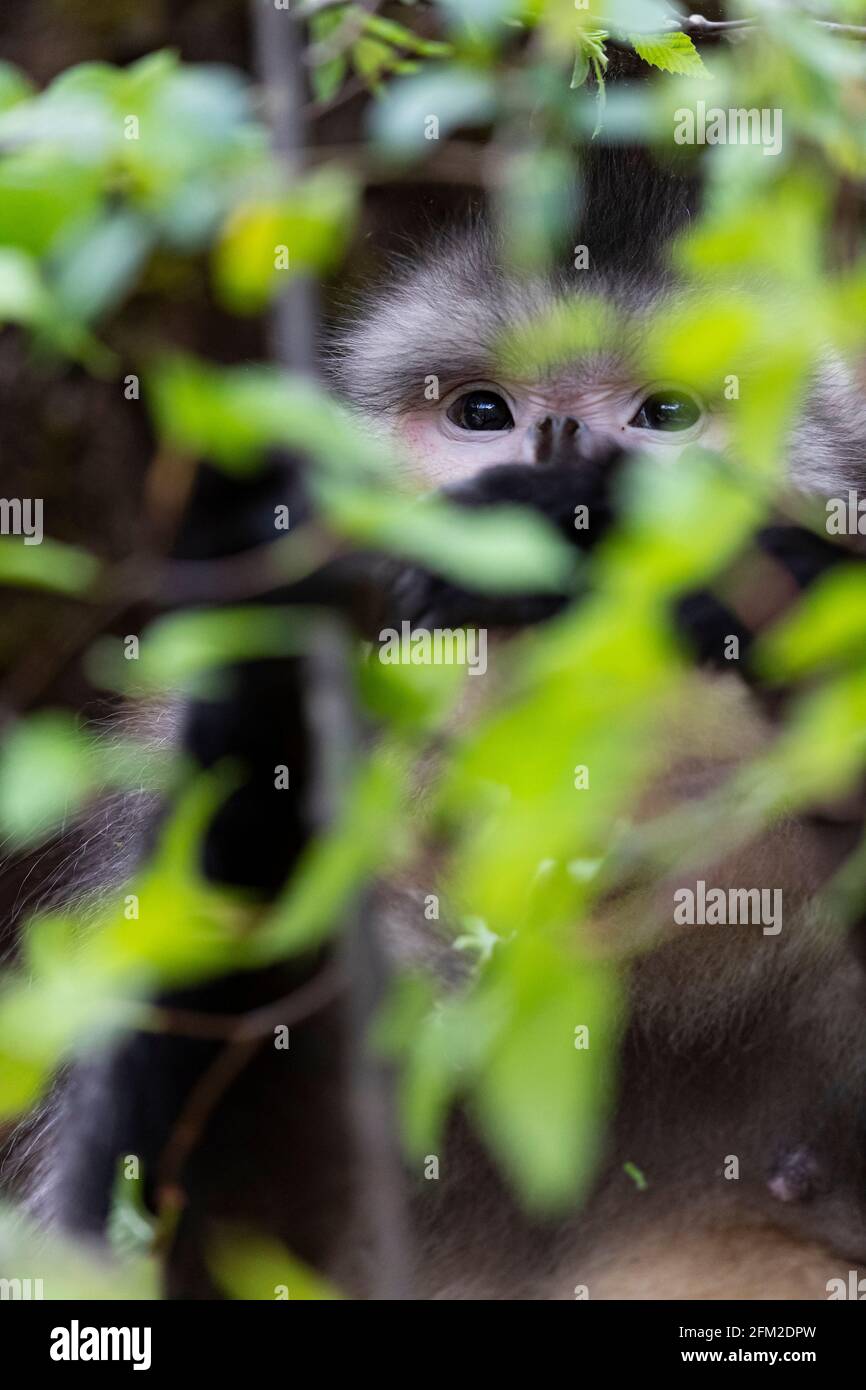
point(536, 205)
point(327, 76)
point(826, 628)
point(683, 523)
point(231, 416)
point(67, 1269)
point(96, 268)
point(334, 867)
point(49, 565)
point(49, 767)
point(23, 297)
point(454, 96)
point(634, 15)
point(508, 1047)
point(14, 86)
point(22, 1081)
point(821, 752)
point(637, 1177)
point(313, 222)
point(401, 37)
point(499, 549)
point(40, 195)
point(543, 1102)
point(408, 696)
point(178, 650)
point(131, 1227)
point(87, 976)
point(486, 15)
point(250, 1266)
point(45, 772)
point(781, 234)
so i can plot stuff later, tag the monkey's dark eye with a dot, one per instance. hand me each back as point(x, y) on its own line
point(667, 410)
point(481, 410)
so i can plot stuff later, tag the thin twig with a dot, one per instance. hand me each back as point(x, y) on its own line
point(245, 1036)
point(288, 1010)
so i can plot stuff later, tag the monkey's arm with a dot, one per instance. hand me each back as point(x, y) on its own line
point(779, 562)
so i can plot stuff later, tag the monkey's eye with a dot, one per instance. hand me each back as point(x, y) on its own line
point(481, 410)
point(667, 410)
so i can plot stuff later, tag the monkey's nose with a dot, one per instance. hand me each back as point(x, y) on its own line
point(553, 439)
point(560, 439)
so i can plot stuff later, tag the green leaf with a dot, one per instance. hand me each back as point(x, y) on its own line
point(327, 76)
point(671, 52)
point(486, 15)
point(14, 86)
point(23, 296)
point(580, 70)
point(41, 194)
point(664, 545)
point(536, 203)
point(827, 628)
point(372, 59)
point(64, 1269)
point(454, 96)
point(401, 37)
point(179, 650)
point(313, 222)
point(255, 1267)
point(637, 1177)
point(334, 867)
point(50, 565)
point(543, 1102)
point(627, 15)
point(45, 772)
point(495, 550)
point(48, 767)
point(96, 267)
point(232, 415)
point(132, 1228)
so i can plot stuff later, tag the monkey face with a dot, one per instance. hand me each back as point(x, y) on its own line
point(463, 362)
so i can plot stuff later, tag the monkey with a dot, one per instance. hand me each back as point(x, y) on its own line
point(732, 1046)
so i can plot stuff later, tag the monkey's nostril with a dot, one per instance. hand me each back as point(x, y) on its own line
point(554, 438)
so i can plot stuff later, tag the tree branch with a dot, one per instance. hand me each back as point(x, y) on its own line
point(696, 24)
point(279, 38)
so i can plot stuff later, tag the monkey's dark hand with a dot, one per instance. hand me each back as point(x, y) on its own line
point(763, 584)
point(579, 499)
point(576, 500)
